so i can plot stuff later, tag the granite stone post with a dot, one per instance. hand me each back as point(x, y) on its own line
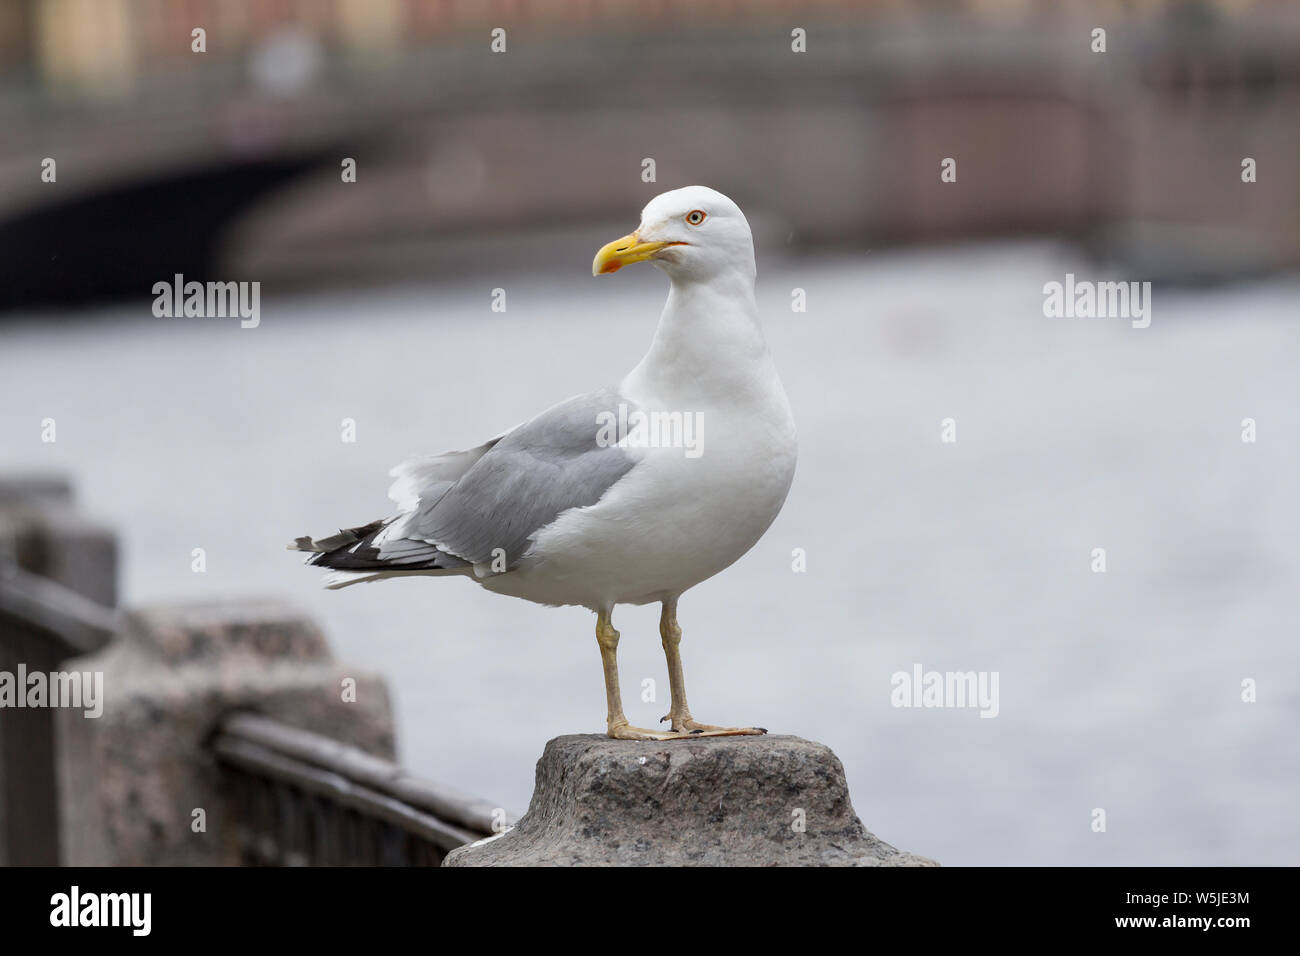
point(715, 801)
point(42, 533)
point(131, 781)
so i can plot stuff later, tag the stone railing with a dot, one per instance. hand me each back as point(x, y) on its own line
point(189, 746)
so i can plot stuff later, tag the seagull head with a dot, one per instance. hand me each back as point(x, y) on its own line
point(695, 234)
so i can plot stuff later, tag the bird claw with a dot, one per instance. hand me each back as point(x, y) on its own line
point(688, 726)
point(682, 728)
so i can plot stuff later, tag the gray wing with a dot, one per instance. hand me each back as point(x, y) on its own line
point(519, 485)
point(380, 545)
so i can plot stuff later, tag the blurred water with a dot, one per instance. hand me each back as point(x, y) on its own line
point(1118, 690)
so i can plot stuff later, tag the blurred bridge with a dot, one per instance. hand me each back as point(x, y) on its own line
point(229, 167)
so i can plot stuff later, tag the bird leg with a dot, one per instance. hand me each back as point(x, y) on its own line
point(617, 724)
point(679, 713)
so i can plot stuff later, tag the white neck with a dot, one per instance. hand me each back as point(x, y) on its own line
point(708, 344)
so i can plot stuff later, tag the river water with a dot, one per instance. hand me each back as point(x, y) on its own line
point(1119, 691)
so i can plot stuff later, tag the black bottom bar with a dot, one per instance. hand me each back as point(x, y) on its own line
point(923, 906)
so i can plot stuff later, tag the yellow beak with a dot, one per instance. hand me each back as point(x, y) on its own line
point(623, 252)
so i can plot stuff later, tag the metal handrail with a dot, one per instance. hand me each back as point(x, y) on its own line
point(373, 786)
point(269, 764)
point(83, 624)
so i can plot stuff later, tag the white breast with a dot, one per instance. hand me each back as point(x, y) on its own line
point(673, 520)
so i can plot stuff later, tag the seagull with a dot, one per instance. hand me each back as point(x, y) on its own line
point(630, 494)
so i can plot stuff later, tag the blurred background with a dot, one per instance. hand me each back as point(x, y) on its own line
point(479, 170)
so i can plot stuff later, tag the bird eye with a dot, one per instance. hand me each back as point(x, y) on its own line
point(695, 216)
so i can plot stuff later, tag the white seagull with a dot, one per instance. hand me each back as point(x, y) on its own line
point(629, 494)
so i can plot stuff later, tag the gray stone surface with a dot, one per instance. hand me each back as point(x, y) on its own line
point(130, 780)
point(716, 801)
point(24, 489)
point(43, 534)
